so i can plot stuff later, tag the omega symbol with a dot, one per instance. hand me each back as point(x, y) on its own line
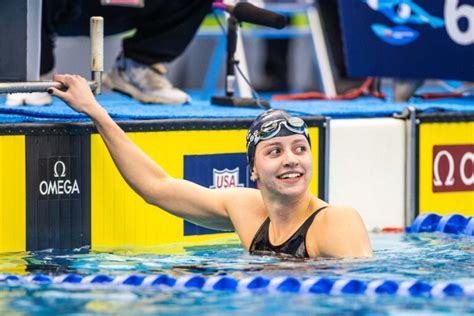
point(450, 178)
point(467, 157)
point(457, 166)
point(63, 169)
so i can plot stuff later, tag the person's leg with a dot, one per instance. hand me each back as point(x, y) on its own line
point(276, 65)
point(117, 19)
point(47, 52)
point(54, 14)
point(165, 29)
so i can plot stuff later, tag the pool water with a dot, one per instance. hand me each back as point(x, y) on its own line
point(399, 257)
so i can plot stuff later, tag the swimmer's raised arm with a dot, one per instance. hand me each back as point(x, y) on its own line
point(179, 197)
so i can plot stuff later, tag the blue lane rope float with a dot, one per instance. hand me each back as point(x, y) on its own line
point(315, 285)
point(450, 224)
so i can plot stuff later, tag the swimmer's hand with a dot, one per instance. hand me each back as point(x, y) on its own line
point(78, 94)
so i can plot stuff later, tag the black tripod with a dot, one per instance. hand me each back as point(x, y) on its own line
point(229, 99)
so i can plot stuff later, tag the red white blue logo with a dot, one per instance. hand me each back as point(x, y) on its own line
point(225, 178)
point(215, 171)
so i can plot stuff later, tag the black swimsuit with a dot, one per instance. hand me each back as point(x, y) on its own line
point(295, 246)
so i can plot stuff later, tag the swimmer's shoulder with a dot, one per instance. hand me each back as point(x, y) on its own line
point(246, 210)
point(339, 231)
point(337, 213)
point(243, 200)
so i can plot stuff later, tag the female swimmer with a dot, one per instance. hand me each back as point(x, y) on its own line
point(282, 216)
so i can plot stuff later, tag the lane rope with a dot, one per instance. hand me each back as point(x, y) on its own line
point(449, 224)
point(314, 285)
point(428, 222)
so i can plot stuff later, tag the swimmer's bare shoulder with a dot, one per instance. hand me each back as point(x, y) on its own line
point(246, 211)
point(338, 231)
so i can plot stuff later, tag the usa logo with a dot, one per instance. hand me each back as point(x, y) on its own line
point(216, 171)
point(225, 178)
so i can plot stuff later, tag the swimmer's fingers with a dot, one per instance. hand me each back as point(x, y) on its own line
point(65, 80)
point(66, 96)
point(60, 78)
point(78, 94)
point(58, 93)
point(68, 80)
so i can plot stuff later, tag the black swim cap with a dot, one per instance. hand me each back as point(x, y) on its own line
point(275, 123)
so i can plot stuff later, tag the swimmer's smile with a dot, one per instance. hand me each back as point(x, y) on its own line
point(291, 176)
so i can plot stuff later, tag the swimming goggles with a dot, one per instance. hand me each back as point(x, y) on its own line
point(270, 129)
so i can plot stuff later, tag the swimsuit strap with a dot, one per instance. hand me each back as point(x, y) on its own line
point(295, 245)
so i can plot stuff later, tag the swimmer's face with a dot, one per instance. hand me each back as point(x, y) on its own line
point(284, 165)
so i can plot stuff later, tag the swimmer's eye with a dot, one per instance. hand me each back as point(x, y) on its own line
point(301, 149)
point(273, 151)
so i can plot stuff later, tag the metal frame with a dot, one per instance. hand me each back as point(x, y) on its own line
point(411, 162)
point(411, 165)
point(97, 66)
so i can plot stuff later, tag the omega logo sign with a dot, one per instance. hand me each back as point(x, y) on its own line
point(453, 168)
point(59, 185)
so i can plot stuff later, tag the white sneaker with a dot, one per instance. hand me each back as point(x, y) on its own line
point(15, 99)
point(33, 99)
point(144, 83)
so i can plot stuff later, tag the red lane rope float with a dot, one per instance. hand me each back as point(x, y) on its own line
point(442, 95)
point(364, 90)
point(393, 230)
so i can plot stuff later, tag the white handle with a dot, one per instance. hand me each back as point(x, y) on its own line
point(97, 43)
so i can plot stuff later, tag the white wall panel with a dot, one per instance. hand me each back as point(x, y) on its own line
point(367, 169)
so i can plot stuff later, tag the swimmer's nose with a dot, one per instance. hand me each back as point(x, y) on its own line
point(290, 160)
